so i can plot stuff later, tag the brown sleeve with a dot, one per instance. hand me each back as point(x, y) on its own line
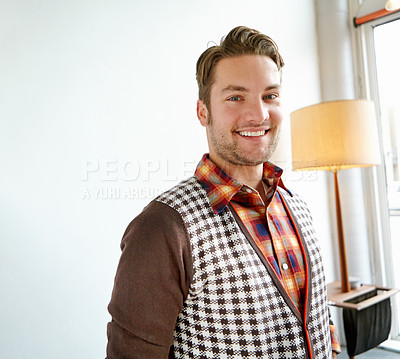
point(151, 284)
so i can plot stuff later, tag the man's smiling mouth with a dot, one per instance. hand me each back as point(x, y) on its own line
point(252, 133)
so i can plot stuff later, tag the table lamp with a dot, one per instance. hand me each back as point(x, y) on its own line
point(332, 136)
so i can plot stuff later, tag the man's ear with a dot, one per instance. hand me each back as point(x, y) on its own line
point(202, 113)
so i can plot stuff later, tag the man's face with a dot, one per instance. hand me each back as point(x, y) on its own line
point(245, 111)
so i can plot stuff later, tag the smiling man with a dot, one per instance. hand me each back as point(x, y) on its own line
point(245, 102)
point(226, 263)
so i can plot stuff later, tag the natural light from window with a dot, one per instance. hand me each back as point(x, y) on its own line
point(388, 73)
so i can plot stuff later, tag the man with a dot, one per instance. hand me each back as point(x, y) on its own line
point(226, 264)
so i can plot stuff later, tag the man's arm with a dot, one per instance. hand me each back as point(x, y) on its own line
point(334, 338)
point(151, 284)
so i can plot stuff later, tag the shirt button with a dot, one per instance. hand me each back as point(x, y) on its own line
point(285, 266)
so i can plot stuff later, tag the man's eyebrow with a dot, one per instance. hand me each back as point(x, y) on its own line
point(273, 87)
point(238, 88)
point(234, 88)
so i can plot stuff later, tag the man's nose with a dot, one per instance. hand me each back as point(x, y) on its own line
point(257, 111)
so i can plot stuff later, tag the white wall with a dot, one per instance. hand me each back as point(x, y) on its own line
point(97, 115)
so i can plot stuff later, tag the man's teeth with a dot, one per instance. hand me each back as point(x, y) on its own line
point(251, 134)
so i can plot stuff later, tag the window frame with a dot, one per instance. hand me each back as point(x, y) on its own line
point(374, 180)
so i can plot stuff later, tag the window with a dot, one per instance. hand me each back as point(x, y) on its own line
point(387, 54)
point(387, 59)
point(378, 71)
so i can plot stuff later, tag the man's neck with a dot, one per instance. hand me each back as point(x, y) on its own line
point(248, 175)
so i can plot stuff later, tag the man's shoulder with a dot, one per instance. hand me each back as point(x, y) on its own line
point(184, 192)
point(156, 221)
point(166, 208)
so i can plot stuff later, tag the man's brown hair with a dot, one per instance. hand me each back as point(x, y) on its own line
point(240, 41)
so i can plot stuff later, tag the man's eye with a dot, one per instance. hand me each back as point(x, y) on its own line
point(270, 96)
point(234, 98)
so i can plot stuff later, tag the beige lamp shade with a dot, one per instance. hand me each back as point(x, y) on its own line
point(335, 135)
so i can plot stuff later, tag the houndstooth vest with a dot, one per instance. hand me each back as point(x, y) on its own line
point(236, 308)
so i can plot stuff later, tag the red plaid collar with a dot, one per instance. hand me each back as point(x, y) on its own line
point(221, 188)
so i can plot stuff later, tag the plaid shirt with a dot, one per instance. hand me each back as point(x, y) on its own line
point(268, 223)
